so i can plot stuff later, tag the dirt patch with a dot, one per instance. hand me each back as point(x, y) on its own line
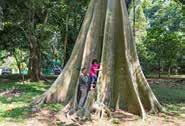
point(119, 118)
point(10, 93)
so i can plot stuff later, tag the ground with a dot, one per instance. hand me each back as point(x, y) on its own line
point(15, 110)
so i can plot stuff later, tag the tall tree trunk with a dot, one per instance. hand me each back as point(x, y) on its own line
point(34, 48)
point(66, 41)
point(169, 71)
point(18, 63)
point(1, 18)
point(34, 60)
point(159, 68)
point(134, 18)
point(107, 36)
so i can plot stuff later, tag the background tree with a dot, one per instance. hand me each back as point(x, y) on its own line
point(163, 30)
point(41, 24)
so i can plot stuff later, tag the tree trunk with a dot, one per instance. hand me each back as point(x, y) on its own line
point(19, 66)
point(107, 36)
point(1, 18)
point(17, 62)
point(159, 68)
point(134, 18)
point(34, 60)
point(34, 48)
point(169, 71)
point(66, 41)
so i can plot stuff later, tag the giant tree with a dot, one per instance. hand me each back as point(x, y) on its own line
point(106, 35)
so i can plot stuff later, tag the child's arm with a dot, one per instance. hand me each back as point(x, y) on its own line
point(99, 69)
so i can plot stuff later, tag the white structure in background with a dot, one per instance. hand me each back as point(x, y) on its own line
point(9, 63)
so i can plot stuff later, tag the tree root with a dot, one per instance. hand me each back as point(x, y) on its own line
point(155, 111)
point(84, 114)
point(38, 102)
point(90, 108)
point(104, 111)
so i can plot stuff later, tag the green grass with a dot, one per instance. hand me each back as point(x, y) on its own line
point(55, 107)
point(17, 108)
point(172, 98)
point(164, 75)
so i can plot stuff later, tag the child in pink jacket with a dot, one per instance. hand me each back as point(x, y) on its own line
point(93, 74)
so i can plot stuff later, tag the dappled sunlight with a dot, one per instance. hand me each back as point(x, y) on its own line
point(15, 102)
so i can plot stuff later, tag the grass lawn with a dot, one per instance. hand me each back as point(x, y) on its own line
point(172, 96)
point(15, 99)
point(165, 75)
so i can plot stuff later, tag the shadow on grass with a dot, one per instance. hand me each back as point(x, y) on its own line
point(20, 104)
point(30, 87)
point(171, 97)
point(17, 114)
point(27, 92)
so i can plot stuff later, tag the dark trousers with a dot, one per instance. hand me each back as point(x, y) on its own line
point(83, 92)
point(93, 79)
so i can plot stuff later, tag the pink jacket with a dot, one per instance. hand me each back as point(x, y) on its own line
point(94, 69)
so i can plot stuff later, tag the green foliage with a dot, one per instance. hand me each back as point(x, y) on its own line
point(45, 21)
point(159, 30)
point(181, 2)
point(163, 42)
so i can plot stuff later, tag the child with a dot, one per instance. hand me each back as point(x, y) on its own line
point(95, 67)
point(83, 86)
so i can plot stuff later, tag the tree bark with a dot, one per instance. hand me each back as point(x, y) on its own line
point(34, 60)
point(169, 71)
point(19, 65)
point(106, 35)
point(159, 68)
point(34, 69)
point(1, 18)
point(134, 18)
point(17, 62)
point(66, 41)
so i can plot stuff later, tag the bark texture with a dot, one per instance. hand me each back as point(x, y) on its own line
point(34, 60)
point(107, 36)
